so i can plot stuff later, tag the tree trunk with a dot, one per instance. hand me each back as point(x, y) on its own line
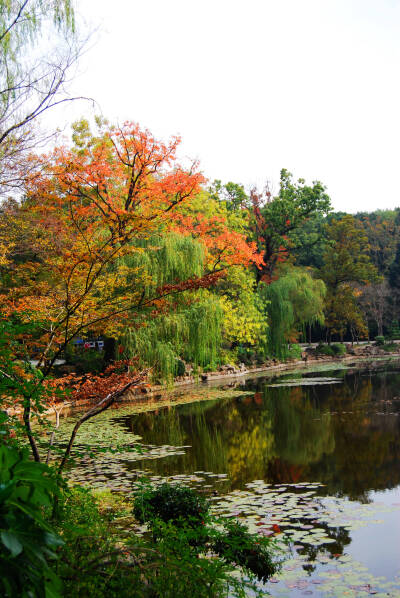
point(99, 408)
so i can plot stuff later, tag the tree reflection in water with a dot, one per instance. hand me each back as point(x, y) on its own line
point(343, 435)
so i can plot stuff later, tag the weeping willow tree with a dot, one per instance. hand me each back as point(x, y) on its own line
point(192, 334)
point(292, 302)
point(163, 259)
point(190, 325)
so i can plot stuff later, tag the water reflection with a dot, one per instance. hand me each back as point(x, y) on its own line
point(343, 435)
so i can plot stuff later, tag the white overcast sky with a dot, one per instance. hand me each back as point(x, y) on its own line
point(309, 85)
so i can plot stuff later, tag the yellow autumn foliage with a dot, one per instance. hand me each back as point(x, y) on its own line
point(244, 321)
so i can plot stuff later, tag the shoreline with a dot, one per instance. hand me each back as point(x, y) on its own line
point(219, 377)
point(158, 396)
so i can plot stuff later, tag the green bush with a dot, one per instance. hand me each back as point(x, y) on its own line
point(325, 350)
point(90, 563)
point(246, 355)
point(391, 347)
point(100, 559)
point(179, 518)
point(85, 361)
point(250, 356)
point(174, 504)
point(259, 358)
point(237, 545)
point(379, 341)
point(178, 567)
point(180, 368)
point(294, 352)
point(27, 542)
point(338, 348)
point(89, 361)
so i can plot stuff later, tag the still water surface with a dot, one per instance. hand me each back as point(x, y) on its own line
point(324, 450)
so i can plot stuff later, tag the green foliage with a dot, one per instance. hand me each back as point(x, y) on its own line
point(391, 347)
point(248, 356)
point(173, 258)
point(180, 521)
point(192, 332)
point(309, 242)
point(99, 558)
point(244, 319)
point(325, 350)
point(278, 221)
point(394, 270)
point(20, 380)
point(331, 350)
point(380, 341)
point(186, 329)
point(338, 348)
point(294, 352)
point(346, 262)
point(346, 259)
point(244, 355)
point(291, 302)
point(210, 367)
point(27, 542)
point(174, 504)
point(22, 26)
point(163, 565)
point(382, 230)
point(180, 569)
point(238, 546)
point(86, 360)
point(180, 367)
point(89, 563)
point(394, 331)
point(233, 194)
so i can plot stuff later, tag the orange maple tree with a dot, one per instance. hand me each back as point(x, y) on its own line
point(86, 209)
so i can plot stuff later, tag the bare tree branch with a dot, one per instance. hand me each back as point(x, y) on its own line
point(99, 408)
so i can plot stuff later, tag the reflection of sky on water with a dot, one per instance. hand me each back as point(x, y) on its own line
point(379, 548)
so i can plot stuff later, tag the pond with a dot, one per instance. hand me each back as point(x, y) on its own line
point(312, 456)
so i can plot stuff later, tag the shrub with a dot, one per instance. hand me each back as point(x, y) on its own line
point(90, 361)
point(379, 341)
point(294, 352)
point(325, 350)
point(260, 358)
point(95, 560)
point(394, 331)
point(211, 367)
point(391, 347)
point(237, 545)
point(338, 348)
point(179, 518)
point(178, 567)
point(175, 504)
point(86, 361)
point(27, 542)
point(100, 559)
point(180, 368)
point(245, 355)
